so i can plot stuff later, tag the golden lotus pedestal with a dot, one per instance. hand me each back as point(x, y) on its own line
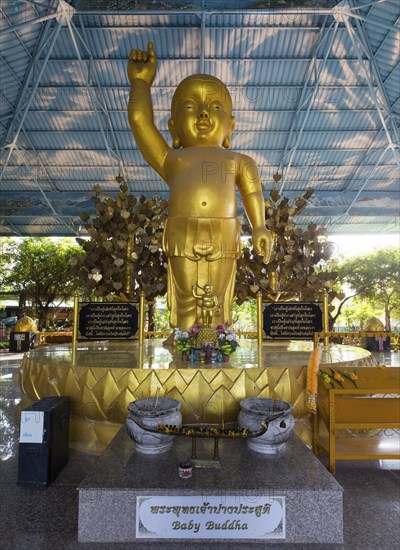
point(107, 376)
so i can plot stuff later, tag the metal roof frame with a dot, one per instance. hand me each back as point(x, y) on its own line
point(307, 101)
point(95, 100)
point(53, 151)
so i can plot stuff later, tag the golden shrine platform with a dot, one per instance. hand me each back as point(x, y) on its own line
point(107, 376)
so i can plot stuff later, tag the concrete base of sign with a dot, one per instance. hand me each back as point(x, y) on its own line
point(313, 504)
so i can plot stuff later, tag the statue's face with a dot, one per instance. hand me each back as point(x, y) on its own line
point(201, 114)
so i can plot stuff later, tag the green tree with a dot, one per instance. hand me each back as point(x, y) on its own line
point(375, 277)
point(244, 315)
point(40, 274)
point(8, 247)
point(161, 315)
point(357, 311)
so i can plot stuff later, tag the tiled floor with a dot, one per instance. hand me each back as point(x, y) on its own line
point(46, 519)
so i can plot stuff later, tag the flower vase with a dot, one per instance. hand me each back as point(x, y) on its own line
point(184, 356)
point(226, 358)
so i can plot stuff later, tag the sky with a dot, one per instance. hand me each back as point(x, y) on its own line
point(355, 245)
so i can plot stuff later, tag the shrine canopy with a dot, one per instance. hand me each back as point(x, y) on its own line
point(315, 88)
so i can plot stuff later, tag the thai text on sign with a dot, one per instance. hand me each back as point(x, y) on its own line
point(292, 320)
point(187, 517)
point(102, 321)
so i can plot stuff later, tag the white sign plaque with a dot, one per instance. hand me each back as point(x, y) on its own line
point(211, 517)
point(31, 428)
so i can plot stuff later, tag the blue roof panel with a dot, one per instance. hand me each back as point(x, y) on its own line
point(318, 117)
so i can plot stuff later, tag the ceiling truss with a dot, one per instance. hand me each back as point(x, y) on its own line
point(94, 135)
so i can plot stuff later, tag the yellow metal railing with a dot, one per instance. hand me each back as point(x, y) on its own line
point(246, 334)
point(357, 338)
point(45, 338)
point(157, 334)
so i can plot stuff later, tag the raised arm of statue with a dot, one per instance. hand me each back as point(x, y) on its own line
point(194, 292)
point(249, 185)
point(142, 66)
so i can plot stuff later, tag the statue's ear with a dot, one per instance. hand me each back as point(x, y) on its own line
point(176, 142)
point(232, 124)
point(227, 142)
point(171, 128)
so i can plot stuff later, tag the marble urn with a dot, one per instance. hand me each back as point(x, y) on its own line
point(255, 413)
point(152, 412)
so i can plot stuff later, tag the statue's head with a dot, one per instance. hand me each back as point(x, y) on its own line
point(26, 324)
point(201, 113)
point(373, 324)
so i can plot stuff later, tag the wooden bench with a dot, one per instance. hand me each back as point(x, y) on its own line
point(374, 408)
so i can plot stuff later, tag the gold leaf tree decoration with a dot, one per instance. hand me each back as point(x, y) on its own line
point(295, 270)
point(123, 254)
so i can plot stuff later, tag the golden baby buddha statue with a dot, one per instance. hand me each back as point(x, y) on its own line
point(208, 303)
point(202, 234)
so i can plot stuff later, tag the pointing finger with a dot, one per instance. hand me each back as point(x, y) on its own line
point(151, 51)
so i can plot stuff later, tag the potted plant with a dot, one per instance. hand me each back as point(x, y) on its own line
point(182, 343)
point(227, 341)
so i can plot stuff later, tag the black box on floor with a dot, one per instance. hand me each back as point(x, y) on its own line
point(44, 441)
point(22, 341)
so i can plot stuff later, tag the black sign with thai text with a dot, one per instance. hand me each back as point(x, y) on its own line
point(292, 320)
point(108, 321)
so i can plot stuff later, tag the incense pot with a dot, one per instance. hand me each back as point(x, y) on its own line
point(152, 412)
point(255, 412)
